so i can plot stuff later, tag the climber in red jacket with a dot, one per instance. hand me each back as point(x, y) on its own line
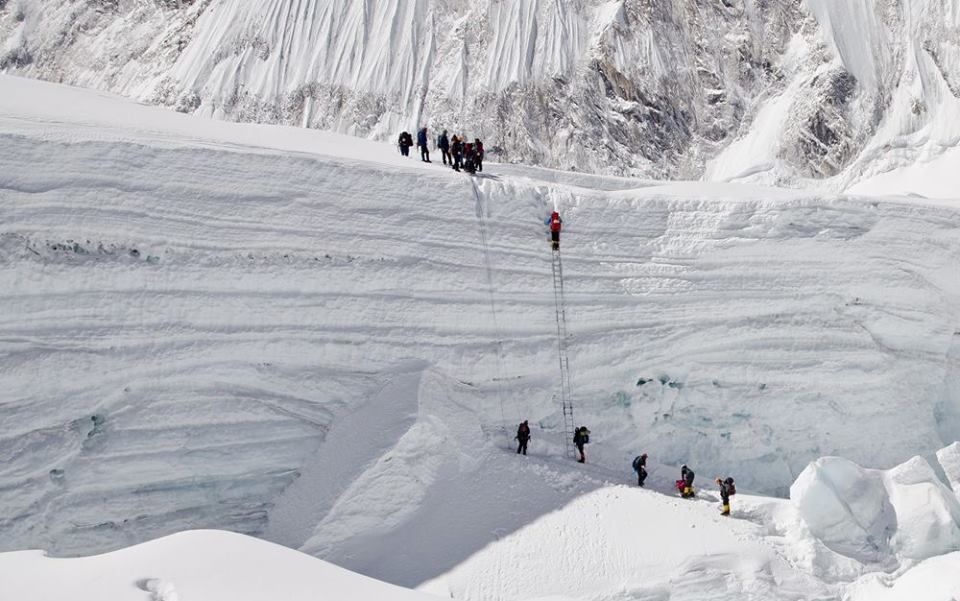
point(555, 224)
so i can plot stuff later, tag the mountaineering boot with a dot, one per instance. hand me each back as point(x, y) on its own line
point(726, 509)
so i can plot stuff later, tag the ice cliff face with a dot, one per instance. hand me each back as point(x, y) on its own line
point(729, 89)
point(274, 330)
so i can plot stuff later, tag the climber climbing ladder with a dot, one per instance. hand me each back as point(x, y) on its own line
point(565, 399)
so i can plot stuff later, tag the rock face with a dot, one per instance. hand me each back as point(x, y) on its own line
point(874, 516)
point(757, 89)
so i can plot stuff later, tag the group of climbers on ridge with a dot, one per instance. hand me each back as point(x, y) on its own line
point(455, 150)
point(581, 437)
point(685, 486)
point(685, 483)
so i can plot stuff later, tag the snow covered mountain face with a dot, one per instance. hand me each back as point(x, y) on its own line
point(777, 91)
point(301, 336)
point(307, 337)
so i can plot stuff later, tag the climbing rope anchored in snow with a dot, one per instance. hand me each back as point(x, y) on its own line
point(562, 338)
point(488, 267)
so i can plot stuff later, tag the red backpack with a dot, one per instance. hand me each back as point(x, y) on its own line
point(555, 222)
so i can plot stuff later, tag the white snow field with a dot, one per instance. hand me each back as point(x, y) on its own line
point(205, 564)
point(627, 543)
point(305, 337)
point(615, 543)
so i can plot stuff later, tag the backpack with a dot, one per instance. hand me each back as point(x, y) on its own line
point(555, 222)
point(731, 489)
point(637, 463)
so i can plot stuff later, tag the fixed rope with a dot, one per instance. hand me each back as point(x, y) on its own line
point(488, 267)
point(562, 338)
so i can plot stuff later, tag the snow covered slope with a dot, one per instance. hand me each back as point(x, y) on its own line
point(626, 543)
point(201, 321)
point(208, 565)
point(614, 543)
point(739, 89)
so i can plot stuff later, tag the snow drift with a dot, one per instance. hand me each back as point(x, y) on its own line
point(612, 543)
point(208, 565)
point(620, 542)
point(626, 543)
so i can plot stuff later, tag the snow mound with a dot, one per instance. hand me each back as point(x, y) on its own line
point(846, 507)
point(878, 517)
point(627, 543)
point(207, 565)
point(932, 580)
point(161, 590)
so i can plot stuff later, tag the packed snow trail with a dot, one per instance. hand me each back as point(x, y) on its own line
point(620, 542)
